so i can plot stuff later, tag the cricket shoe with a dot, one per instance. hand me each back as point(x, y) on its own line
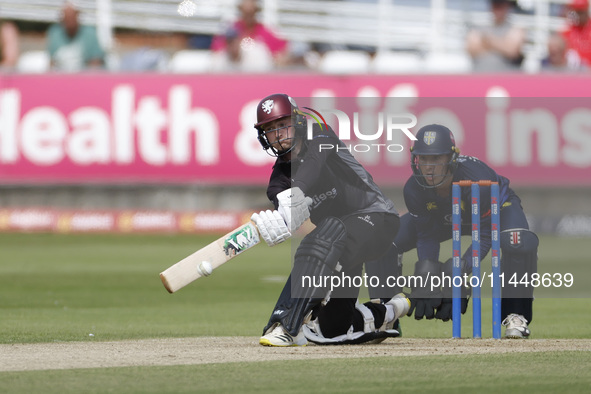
point(516, 326)
point(277, 336)
point(400, 306)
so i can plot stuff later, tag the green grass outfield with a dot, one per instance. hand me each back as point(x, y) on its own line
point(56, 288)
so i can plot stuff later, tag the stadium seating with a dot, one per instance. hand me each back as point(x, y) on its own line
point(399, 26)
point(190, 61)
point(34, 61)
point(391, 62)
point(344, 62)
point(447, 63)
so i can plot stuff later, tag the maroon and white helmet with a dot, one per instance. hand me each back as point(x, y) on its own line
point(273, 107)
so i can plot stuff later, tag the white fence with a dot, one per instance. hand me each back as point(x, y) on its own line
point(424, 26)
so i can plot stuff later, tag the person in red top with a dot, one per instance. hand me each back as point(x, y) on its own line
point(253, 33)
point(578, 33)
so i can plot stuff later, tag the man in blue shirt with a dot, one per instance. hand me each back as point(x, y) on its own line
point(436, 164)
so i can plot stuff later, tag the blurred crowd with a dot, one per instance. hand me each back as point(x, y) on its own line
point(499, 47)
point(248, 45)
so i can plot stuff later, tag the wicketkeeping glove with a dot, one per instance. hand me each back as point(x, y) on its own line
point(424, 300)
point(445, 310)
point(271, 226)
point(293, 207)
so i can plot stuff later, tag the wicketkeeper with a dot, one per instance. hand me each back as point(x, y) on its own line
point(436, 163)
point(354, 223)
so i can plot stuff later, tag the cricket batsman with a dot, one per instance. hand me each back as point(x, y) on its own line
point(436, 163)
point(354, 223)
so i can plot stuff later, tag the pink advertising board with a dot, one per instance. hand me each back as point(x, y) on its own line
point(158, 128)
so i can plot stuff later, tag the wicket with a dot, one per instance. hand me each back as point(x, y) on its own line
point(457, 251)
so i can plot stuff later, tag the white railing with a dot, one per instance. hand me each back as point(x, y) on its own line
point(436, 26)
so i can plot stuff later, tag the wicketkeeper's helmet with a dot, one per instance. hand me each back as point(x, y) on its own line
point(433, 139)
point(277, 106)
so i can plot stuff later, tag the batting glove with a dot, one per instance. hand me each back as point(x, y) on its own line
point(293, 207)
point(271, 227)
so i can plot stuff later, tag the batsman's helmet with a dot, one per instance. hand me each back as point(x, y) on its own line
point(277, 106)
point(432, 140)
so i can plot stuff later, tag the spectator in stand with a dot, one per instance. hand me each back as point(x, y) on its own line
point(253, 36)
point(9, 45)
point(253, 59)
point(578, 32)
point(497, 48)
point(73, 46)
point(233, 58)
point(560, 58)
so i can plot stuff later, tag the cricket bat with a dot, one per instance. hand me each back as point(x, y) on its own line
point(207, 259)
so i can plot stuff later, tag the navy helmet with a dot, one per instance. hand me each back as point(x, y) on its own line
point(432, 140)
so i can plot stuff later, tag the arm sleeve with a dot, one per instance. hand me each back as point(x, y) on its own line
point(427, 240)
point(93, 47)
point(277, 184)
point(318, 151)
point(274, 43)
point(52, 40)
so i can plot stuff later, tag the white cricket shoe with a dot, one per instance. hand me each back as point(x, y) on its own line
point(277, 336)
point(516, 326)
point(401, 305)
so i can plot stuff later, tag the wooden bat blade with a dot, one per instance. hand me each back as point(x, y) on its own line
point(216, 253)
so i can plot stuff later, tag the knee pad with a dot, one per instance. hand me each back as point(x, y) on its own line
point(325, 244)
point(519, 259)
point(389, 265)
point(318, 257)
